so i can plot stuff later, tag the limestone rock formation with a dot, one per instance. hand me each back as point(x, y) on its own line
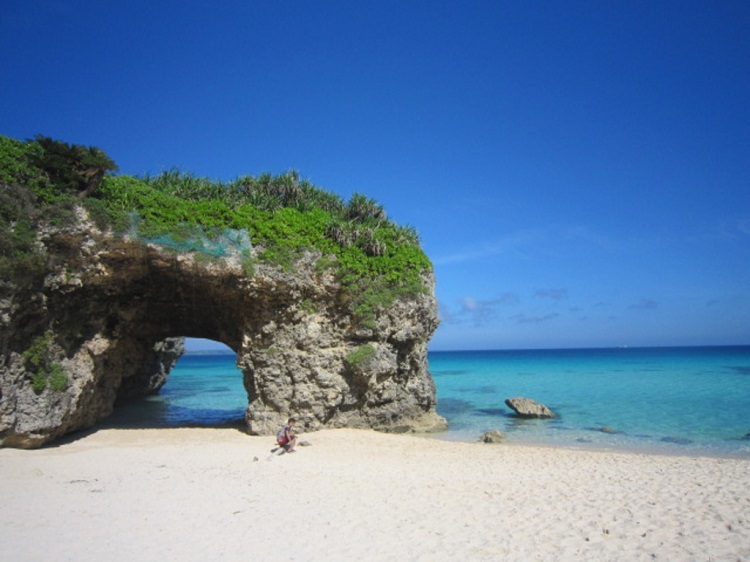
point(104, 323)
point(528, 408)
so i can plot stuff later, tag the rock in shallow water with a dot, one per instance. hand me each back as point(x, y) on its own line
point(528, 408)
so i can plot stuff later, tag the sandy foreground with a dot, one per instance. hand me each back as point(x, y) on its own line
point(212, 494)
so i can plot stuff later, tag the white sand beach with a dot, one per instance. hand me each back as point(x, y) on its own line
point(212, 494)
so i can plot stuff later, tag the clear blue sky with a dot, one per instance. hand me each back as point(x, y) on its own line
point(579, 172)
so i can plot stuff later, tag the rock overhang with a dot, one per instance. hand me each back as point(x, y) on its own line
point(113, 307)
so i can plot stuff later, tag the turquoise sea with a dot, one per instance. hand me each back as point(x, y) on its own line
point(671, 400)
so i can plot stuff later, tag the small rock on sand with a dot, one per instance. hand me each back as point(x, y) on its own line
point(493, 436)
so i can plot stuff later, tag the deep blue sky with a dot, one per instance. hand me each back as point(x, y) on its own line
point(579, 172)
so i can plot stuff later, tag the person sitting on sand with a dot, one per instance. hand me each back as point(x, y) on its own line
point(286, 437)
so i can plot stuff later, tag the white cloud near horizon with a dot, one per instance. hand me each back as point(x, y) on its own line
point(535, 319)
point(553, 294)
point(517, 241)
point(506, 244)
point(478, 312)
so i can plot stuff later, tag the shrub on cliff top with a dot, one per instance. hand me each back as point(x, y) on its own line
point(376, 259)
point(71, 168)
point(281, 215)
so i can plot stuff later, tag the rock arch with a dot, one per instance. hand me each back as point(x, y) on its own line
point(112, 307)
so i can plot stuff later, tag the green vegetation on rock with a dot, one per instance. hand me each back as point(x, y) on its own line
point(46, 372)
point(361, 358)
point(282, 216)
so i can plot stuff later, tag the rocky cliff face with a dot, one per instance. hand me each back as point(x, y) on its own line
point(105, 321)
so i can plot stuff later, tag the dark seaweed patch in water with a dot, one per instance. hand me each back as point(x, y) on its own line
point(453, 406)
point(740, 369)
point(494, 412)
point(179, 393)
point(604, 428)
point(145, 413)
point(448, 373)
point(514, 422)
point(486, 389)
point(677, 440)
point(201, 417)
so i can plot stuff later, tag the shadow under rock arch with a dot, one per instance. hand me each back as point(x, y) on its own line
point(157, 297)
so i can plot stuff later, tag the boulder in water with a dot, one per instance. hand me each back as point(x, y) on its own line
point(528, 408)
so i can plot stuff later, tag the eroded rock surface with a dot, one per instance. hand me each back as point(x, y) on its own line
point(113, 312)
point(493, 436)
point(528, 408)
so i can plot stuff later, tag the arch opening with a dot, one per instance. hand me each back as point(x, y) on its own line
point(203, 389)
point(300, 349)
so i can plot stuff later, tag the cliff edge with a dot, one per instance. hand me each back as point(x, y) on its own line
point(93, 312)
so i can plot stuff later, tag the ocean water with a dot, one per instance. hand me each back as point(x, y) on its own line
point(202, 390)
point(668, 400)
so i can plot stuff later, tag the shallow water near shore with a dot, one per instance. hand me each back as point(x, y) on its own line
point(664, 400)
point(669, 400)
